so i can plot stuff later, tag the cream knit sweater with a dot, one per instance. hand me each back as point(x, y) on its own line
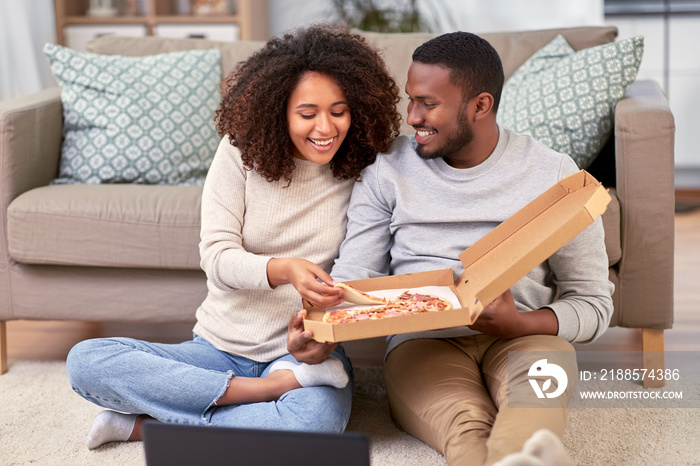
point(246, 221)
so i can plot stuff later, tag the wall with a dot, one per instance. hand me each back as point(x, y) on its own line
point(671, 58)
point(25, 26)
point(451, 15)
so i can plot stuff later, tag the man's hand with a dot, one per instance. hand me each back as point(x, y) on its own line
point(502, 319)
point(302, 346)
point(305, 276)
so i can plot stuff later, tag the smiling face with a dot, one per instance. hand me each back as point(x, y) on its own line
point(438, 113)
point(318, 118)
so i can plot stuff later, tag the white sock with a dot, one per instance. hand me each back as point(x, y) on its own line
point(329, 372)
point(110, 426)
point(519, 459)
point(543, 448)
point(547, 447)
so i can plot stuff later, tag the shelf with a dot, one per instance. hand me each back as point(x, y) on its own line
point(177, 19)
point(89, 20)
point(170, 19)
point(250, 20)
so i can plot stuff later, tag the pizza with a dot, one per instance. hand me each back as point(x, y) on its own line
point(355, 296)
point(406, 304)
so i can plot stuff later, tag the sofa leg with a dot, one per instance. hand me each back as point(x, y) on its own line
point(653, 356)
point(3, 347)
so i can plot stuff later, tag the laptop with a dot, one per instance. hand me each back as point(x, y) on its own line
point(177, 444)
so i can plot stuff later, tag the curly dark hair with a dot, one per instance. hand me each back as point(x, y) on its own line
point(253, 110)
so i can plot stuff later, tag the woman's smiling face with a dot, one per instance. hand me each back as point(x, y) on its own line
point(318, 118)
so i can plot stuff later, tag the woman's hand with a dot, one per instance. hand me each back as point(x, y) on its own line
point(304, 276)
point(302, 346)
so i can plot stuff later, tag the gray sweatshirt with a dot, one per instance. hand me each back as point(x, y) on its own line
point(411, 215)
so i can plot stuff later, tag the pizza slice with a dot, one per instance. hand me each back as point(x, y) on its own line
point(419, 302)
point(355, 296)
point(406, 304)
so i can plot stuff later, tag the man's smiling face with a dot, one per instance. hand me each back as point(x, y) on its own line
point(437, 112)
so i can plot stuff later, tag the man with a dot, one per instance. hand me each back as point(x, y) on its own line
point(429, 198)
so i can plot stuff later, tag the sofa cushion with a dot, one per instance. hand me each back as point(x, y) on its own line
point(232, 52)
point(137, 226)
point(145, 226)
point(515, 48)
point(565, 99)
point(137, 119)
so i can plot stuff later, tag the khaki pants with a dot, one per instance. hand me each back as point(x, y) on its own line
point(453, 394)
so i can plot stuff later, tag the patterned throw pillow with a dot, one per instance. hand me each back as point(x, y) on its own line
point(565, 99)
point(137, 119)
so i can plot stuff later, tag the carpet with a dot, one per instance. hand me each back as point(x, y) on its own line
point(42, 422)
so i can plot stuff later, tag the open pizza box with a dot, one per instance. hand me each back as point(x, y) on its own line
point(492, 265)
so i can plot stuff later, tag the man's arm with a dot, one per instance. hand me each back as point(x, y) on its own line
point(583, 309)
point(580, 270)
point(365, 251)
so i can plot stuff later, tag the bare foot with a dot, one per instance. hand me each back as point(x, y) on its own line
point(258, 389)
point(284, 381)
point(136, 433)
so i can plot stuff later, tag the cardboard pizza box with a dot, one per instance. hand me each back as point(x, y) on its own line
point(491, 265)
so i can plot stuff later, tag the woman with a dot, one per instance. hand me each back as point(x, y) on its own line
point(301, 118)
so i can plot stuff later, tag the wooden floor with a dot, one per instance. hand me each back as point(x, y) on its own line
point(29, 340)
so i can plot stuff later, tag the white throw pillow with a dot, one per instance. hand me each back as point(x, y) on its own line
point(566, 99)
point(137, 119)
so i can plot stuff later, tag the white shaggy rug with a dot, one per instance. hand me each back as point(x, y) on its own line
point(42, 422)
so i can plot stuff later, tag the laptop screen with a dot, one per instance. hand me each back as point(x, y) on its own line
point(176, 444)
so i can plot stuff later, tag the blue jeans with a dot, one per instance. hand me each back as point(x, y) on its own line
point(179, 383)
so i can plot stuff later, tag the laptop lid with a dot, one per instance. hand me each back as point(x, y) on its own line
point(177, 444)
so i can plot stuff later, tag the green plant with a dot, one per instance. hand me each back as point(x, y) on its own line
point(367, 16)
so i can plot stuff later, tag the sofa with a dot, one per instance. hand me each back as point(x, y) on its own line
point(129, 252)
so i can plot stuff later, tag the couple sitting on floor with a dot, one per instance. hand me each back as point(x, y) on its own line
point(310, 135)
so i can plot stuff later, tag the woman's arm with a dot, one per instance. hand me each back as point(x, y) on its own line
point(225, 260)
point(227, 264)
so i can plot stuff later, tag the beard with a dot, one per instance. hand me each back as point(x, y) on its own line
point(454, 142)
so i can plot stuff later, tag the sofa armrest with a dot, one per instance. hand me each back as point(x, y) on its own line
point(644, 148)
point(30, 148)
point(30, 143)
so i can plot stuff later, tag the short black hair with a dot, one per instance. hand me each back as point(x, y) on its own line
point(474, 64)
